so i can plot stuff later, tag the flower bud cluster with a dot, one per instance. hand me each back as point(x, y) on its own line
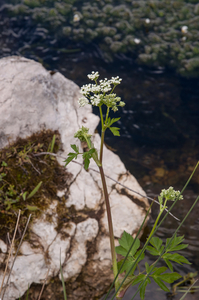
point(170, 194)
point(82, 134)
point(96, 93)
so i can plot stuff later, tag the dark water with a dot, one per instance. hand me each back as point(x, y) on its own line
point(159, 141)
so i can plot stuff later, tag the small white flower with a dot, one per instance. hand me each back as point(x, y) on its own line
point(93, 75)
point(95, 100)
point(184, 38)
point(147, 20)
point(85, 89)
point(83, 101)
point(184, 29)
point(105, 86)
point(95, 88)
point(137, 41)
point(76, 18)
point(115, 80)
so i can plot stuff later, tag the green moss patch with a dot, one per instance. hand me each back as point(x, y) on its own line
point(21, 170)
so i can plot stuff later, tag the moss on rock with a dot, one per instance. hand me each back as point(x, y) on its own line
point(23, 170)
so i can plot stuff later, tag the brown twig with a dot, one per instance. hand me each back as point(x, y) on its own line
point(4, 275)
point(43, 285)
point(126, 187)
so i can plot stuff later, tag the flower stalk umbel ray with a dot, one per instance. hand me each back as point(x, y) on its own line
point(100, 94)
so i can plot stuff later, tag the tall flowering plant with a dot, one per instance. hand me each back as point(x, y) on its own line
point(98, 94)
point(101, 93)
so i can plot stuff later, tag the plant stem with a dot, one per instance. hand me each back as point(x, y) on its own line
point(102, 134)
point(110, 225)
point(101, 146)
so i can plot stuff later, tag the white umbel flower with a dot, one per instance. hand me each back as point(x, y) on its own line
point(83, 101)
point(115, 80)
point(93, 76)
point(95, 100)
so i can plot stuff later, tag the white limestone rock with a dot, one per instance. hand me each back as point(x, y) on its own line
point(85, 231)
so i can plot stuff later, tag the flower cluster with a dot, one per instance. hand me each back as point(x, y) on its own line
point(93, 76)
point(169, 194)
point(82, 134)
point(96, 93)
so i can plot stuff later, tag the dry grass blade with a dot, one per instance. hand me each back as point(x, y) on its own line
point(43, 286)
point(16, 254)
point(189, 290)
point(11, 247)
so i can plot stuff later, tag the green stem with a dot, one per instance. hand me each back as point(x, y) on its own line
point(162, 208)
point(101, 117)
point(107, 113)
point(101, 146)
point(110, 225)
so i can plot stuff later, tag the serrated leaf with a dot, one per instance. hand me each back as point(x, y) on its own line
point(170, 277)
point(152, 250)
point(86, 162)
point(115, 131)
point(179, 247)
point(126, 242)
point(91, 151)
point(138, 279)
point(121, 250)
point(75, 148)
point(161, 284)
point(174, 246)
point(111, 121)
point(70, 157)
point(158, 271)
point(114, 120)
point(177, 258)
point(128, 266)
point(169, 264)
point(143, 288)
point(119, 264)
point(141, 256)
point(156, 242)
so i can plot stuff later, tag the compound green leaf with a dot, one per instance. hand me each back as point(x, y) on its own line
point(161, 284)
point(75, 148)
point(143, 288)
point(156, 242)
point(115, 131)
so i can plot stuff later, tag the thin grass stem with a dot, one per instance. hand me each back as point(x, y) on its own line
point(11, 247)
point(16, 255)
